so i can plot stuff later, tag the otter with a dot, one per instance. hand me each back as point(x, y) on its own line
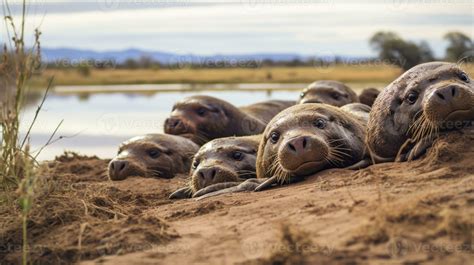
point(152, 155)
point(219, 164)
point(329, 92)
point(204, 118)
point(411, 112)
point(303, 140)
point(359, 110)
point(368, 96)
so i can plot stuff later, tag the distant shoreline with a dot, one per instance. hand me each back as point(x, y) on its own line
point(226, 76)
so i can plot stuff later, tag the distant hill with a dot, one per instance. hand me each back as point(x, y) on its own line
point(56, 54)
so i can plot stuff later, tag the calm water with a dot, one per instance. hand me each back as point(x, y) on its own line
point(96, 123)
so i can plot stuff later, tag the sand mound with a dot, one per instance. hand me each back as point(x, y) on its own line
point(79, 214)
point(416, 212)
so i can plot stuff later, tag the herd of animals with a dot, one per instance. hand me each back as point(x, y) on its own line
point(226, 149)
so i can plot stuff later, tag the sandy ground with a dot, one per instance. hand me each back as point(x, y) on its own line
point(420, 212)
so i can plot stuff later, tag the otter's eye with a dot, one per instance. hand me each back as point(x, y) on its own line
point(464, 77)
point(320, 123)
point(154, 153)
point(274, 137)
point(412, 97)
point(302, 94)
point(335, 96)
point(201, 112)
point(195, 164)
point(237, 156)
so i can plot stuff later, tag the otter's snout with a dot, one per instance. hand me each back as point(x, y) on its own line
point(300, 150)
point(446, 95)
point(208, 175)
point(298, 145)
point(118, 169)
point(175, 125)
point(450, 103)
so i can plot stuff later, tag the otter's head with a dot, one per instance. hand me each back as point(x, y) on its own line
point(368, 96)
point(328, 92)
point(224, 160)
point(426, 99)
point(308, 138)
point(201, 119)
point(152, 155)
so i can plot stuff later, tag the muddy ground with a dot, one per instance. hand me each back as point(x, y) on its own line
point(419, 212)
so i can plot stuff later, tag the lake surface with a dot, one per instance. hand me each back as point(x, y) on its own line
point(96, 122)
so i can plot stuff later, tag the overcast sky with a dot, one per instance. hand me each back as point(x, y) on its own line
point(245, 26)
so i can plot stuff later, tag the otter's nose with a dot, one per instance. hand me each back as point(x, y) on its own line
point(117, 168)
point(298, 145)
point(208, 174)
point(173, 122)
point(446, 94)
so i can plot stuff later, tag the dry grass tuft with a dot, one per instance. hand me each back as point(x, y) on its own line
point(84, 219)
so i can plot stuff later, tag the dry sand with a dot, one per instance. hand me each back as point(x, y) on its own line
point(418, 212)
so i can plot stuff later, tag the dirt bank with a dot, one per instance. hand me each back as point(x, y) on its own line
point(413, 213)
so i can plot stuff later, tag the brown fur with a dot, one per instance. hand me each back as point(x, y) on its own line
point(395, 121)
point(218, 155)
point(204, 118)
point(339, 144)
point(329, 92)
point(153, 155)
point(368, 96)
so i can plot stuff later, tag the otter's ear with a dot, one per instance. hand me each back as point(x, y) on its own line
point(261, 171)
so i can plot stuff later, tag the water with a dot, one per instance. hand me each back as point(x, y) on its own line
point(95, 124)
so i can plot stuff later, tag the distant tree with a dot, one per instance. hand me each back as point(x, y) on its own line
point(268, 62)
point(459, 46)
point(130, 64)
point(145, 61)
point(394, 49)
point(426, 52)
point(294, 62)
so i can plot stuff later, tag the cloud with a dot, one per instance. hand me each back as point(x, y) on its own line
point(251, 25)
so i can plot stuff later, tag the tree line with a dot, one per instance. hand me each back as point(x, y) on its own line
point(406, 54)
point(390, 48)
